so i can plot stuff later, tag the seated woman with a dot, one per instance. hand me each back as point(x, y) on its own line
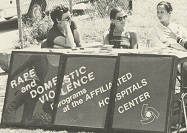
point(118, 35)
point(166, 33)
point(64, 33)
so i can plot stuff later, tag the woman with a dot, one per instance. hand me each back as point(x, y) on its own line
point(64, 32)
point(166, 33)
point(117, 35)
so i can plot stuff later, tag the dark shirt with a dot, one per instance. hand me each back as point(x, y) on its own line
point(124, 41)
point(120, 41)
point(55, 32)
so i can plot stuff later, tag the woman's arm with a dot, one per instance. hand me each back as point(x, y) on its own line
point(134, 40)
point(69, 37)
point(180, 37)
point(106, 38)
point(77, 38)
point(68, 40)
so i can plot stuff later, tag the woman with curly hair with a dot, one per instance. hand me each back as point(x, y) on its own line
point(64, 32)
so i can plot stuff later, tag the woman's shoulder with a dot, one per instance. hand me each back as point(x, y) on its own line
point(53, 29)
point(132, 31)
point(177, 26)
point(174, 24)
point(105, 34)
point(155, 26)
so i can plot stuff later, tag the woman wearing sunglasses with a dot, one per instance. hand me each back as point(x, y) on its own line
point(118, 35)
point(64, 33)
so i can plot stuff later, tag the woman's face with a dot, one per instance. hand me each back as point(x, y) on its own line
point(66, 18)
point(120, 19)
point(162, 13)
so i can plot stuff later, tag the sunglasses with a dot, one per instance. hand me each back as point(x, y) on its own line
point(121, 18)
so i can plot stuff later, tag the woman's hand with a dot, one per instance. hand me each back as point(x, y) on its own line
point(171, 34)
point(66, 25)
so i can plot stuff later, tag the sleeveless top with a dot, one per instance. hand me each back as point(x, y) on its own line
point(122, 41)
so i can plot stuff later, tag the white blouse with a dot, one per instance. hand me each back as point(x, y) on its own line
point(159, 38)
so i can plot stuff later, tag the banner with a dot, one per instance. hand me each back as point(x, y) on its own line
point(143, 101)
point(128, 92)
point(85, 90)
point(30, 88)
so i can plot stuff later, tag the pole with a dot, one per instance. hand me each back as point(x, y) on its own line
point(130, 7)
point(19, 21)
point(70, 5)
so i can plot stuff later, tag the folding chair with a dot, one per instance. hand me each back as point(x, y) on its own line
point(180, 101)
